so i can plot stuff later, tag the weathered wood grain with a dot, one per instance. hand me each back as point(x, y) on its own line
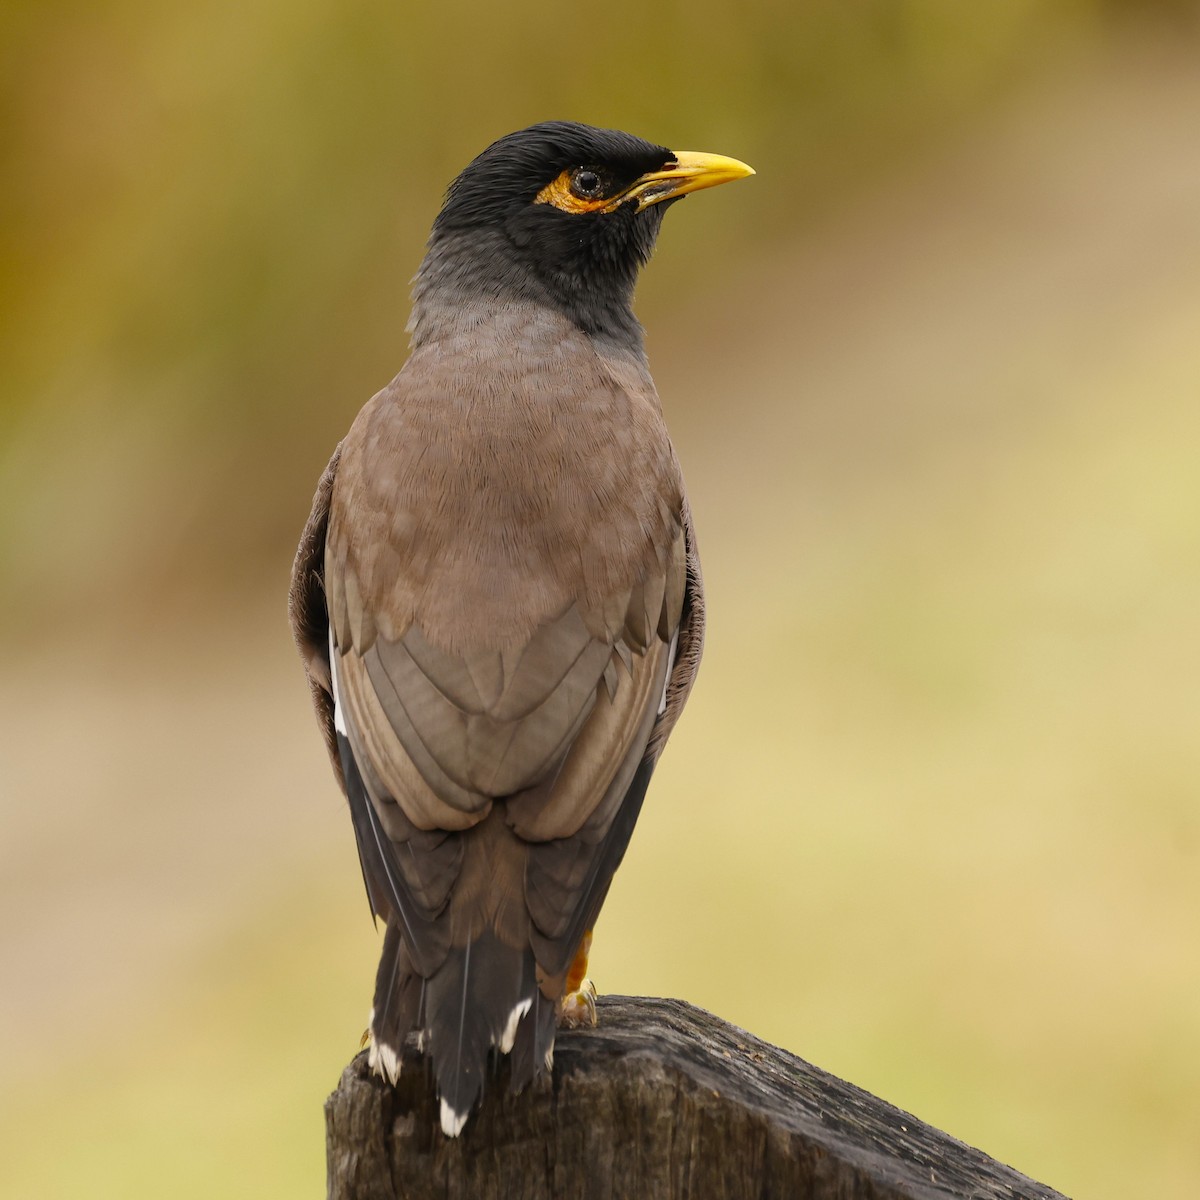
point(665, 1101)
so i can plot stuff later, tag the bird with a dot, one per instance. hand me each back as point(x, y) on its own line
point(498, 602)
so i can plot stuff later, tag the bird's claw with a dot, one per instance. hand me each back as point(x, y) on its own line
point(578, 1008)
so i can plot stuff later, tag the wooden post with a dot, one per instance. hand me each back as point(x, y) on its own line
point(662, 1101)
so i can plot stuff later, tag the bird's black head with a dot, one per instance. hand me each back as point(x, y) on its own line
point(566, 214)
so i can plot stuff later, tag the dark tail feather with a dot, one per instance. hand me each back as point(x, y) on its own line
point(398, 994)
point(474, 1002)
point(535, 1040)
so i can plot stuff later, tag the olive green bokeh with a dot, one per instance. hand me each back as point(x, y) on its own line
point(933, 377)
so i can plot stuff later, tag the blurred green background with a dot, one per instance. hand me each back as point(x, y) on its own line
point(933, 817)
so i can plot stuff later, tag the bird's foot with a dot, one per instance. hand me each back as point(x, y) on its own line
point(577, 1009)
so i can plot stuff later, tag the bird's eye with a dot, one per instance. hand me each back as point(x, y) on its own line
point(586, 183)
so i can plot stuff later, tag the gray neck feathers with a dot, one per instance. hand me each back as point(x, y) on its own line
point(465, 274)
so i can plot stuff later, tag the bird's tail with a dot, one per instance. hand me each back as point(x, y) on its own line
point(483, 997)
point(399, 1000)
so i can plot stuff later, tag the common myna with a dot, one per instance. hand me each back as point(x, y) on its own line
point(498, 600)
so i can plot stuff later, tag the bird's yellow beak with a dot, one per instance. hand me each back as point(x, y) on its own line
point(691, 172)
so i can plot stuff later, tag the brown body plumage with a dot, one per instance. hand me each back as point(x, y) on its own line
point(498, 600)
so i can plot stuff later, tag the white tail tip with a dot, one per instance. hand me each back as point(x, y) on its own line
point(384, 1061)
point(510, 1028)
point(452, 1122)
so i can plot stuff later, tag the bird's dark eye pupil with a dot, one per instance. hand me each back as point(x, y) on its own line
point(586, 183)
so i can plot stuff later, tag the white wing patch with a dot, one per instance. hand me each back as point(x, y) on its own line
point(662, 704)
point(339, 720)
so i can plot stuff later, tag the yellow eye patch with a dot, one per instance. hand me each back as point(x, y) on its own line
point(559, 193)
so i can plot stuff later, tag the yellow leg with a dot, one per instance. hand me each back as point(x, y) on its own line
point(578, 1005)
